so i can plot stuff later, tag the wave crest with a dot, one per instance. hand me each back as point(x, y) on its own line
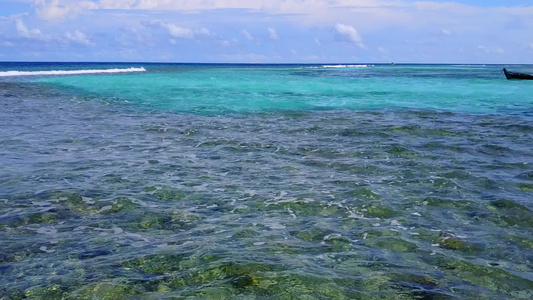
point(346, 66)
point(69, 72)
point(339, 66)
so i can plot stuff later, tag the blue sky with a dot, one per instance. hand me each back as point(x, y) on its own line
point(268, 31)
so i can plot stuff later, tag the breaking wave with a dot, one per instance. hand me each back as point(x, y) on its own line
point(340, 66)
point(69, 72)
point(346, 66)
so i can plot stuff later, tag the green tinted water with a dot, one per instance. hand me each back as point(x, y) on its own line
point(267, 182)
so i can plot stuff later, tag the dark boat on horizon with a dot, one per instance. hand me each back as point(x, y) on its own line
point(515, 75)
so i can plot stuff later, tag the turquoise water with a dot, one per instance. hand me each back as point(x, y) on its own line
point(216, 89)
point(266, 182)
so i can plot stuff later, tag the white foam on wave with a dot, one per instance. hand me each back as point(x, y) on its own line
point(468, 65)
point(346, 66)
point(339, 66)
point(69, 72)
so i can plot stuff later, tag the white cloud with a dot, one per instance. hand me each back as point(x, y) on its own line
point(135, 37)
point(394, 25)
point(78, 37)
point(177, 31)
point(483, 48)
point(25, 32)
point(56, 10)
point(350, 33)
point(204, 5)
point(273, 34)
point(447, 7)
point(488, 50)
point(248, 35)
point(227, 43)
point(70, 37)
point(117, 4)
point(317, 10)
point(202, 31)
point(366, 15)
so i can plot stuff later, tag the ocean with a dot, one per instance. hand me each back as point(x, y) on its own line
point(240, 181)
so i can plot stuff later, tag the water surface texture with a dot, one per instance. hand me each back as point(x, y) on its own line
point(265, 182)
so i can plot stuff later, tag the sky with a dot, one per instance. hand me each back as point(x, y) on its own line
point(268, 31)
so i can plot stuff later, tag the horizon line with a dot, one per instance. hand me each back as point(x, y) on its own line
point(264, 63)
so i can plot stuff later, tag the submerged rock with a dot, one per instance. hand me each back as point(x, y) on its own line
point(117, 205)
point(380, 211)
point(107, 291)
point(522, 241)
point(422, 281)
point(170, 194)
point(94, 253)
point(507, 204)
point(393, 244)
point(488, 277)
point(452, 243)
point(526, 187)
point(525, 176)
point(366, 193)
point(156, 264)
point(52, 292)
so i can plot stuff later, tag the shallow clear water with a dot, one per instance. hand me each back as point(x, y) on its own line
point(266, 182)
point(222, 89)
